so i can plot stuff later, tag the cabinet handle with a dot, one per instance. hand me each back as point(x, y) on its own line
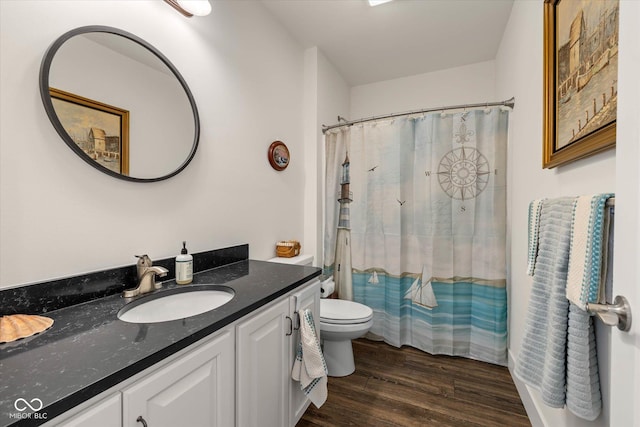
point(141, 420)
point(290, 326)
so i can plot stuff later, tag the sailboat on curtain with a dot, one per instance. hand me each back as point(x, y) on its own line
point(373, 280)
point(421, 291)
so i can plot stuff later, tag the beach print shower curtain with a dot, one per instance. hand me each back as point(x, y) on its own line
point(425, 224)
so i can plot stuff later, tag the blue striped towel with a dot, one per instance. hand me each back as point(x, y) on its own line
point(558, 355)
point(588, 253)
point(310, 368)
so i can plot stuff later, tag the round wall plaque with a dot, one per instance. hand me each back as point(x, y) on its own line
point(278, 155)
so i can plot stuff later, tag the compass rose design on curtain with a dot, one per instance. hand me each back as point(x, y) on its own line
point(427, 227)
point(463, 173)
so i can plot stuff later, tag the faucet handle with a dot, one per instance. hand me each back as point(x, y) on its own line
point(144, 262)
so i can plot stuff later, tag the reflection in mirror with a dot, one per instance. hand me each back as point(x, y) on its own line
point(119, 104)
point(100, 130)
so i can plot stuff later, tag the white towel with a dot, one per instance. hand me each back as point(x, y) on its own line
point(310, 367)
point(588, 254)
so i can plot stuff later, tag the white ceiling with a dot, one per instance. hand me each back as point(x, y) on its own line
point(398, 39)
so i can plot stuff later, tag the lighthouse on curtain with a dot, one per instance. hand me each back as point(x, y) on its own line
point(342, 272)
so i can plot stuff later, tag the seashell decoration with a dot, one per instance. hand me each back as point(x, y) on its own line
point(16, 326)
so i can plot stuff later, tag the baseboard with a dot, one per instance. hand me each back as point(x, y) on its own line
point(535, 415)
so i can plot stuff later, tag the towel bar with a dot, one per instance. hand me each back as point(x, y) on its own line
point(616, 314)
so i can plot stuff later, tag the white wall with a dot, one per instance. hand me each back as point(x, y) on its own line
point(519, 74)
point(60, 217)
point(625, 346)
point(461, 85)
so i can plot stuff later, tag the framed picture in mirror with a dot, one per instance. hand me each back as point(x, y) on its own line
point(580, 79)
point(100, 130)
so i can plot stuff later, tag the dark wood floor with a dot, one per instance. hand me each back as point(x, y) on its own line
point(407, 387)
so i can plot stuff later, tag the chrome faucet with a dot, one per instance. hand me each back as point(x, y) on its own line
point(146, 277)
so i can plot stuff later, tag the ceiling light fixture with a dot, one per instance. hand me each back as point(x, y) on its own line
point(378, 2)
point(190, 8)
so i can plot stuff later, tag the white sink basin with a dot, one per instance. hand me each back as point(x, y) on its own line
point(174, 304)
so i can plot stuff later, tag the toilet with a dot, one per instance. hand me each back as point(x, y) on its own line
point(340, 322)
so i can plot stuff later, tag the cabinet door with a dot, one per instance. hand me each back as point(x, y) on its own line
point(262, 374)
point(105, 413)
point(195, 390)
point(308, 298)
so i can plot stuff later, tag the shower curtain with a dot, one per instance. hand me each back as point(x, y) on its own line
point(425, 224)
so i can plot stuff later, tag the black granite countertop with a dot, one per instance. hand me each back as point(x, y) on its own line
point(89, 350)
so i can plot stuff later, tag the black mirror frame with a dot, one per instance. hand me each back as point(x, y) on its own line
point(45, 68)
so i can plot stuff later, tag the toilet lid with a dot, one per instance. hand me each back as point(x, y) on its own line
point(343, 311)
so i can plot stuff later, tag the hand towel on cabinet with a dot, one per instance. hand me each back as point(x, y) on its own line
point(309, 367)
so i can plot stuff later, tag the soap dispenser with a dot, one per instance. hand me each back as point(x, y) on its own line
point(184, 266)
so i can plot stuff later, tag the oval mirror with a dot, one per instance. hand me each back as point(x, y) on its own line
point(119, 104)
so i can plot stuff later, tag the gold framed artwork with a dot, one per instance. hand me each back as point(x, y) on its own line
point(580, 79)
point(99, 130)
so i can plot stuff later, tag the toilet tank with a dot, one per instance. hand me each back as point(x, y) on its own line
point(301, 259)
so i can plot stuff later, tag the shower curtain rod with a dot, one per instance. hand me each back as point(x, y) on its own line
point(508, 103)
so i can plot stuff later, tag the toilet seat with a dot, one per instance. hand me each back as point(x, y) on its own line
point(343, 312)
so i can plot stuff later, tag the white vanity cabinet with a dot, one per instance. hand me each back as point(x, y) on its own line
point(265, 352)
point(307, 298)
point(262, 360)
point(105, 413)
point(195, 390)
point(240, 376)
